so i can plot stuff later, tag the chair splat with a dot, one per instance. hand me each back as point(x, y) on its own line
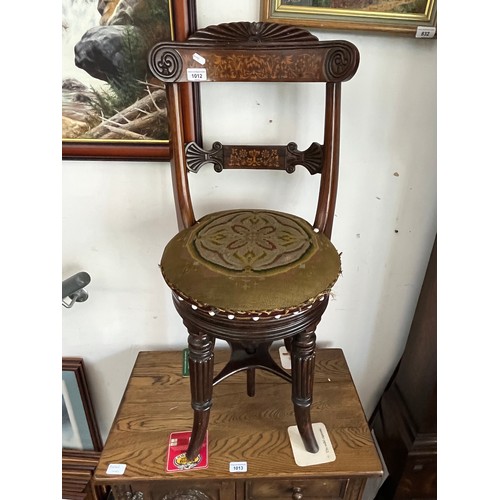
point(255, 157)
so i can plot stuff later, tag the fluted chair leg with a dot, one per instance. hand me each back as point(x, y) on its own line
point(303, 357)
point(201, 370)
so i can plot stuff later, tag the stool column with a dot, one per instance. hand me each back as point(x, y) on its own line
point(303, 357)
point(201, 372)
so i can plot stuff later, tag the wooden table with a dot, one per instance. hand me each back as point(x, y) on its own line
point(156, 402)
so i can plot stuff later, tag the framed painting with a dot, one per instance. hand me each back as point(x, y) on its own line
point(81, 440)
point(112, 106)
point(79, 425)
point(405, 17)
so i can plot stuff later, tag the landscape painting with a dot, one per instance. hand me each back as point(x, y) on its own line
point(401, 6)
point(391, 16)
point(107, 93)
point(112, 106)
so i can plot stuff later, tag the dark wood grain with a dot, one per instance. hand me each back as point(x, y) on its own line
point(405, 420)
point(329, 179)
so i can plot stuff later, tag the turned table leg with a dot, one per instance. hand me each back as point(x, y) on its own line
point(201, 369)
point(303, 357)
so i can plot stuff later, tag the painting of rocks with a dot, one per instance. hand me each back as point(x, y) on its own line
point(107, 91)
point(394, 6)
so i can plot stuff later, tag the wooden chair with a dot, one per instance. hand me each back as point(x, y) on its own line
point(252, 277)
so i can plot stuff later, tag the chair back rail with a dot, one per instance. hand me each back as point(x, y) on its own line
point(224, 157)
point(255, 52)
point(330, 61)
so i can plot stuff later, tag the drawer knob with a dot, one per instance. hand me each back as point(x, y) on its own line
point(297, 494)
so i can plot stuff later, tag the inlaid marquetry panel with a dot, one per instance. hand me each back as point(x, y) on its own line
point(255, 157)
point(290, 55)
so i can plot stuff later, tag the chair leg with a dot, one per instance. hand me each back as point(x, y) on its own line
point(251, 382)
point(201, 371)
point(303, 357)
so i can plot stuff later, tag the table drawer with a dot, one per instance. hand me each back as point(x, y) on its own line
point(296, 489)
point(175, 490)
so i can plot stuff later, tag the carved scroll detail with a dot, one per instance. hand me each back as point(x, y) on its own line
point(311, 158)
point(247, 32)
point(165, 63)
point(341, 62)
point(196, 157)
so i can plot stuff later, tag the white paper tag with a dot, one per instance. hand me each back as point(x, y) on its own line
point(117, 469)
point(285, 358)
point(196, 74)
point(302, 457)
point(425, 32)
point(198, 58)
point(237, 466)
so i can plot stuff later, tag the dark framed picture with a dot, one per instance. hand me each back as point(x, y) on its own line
point(403, 17)
point(79, 425)
point(81, 440)
point(112, 106)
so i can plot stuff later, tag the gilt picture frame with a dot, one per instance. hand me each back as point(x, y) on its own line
point(398, 17)
point(102, 119)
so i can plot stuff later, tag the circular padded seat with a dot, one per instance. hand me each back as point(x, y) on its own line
point(256, 262)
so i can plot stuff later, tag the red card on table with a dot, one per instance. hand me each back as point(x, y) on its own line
point(176, 454)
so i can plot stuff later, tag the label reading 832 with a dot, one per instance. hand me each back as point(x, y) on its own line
point(425, 32)
point(237, 466)
point(196, 74)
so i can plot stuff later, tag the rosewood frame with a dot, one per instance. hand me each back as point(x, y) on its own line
point(350, 20)
point(184, 23)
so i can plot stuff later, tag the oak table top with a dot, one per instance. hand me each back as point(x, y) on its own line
point(156, 402)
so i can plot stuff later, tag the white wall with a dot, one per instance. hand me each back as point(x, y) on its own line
point(117, 216)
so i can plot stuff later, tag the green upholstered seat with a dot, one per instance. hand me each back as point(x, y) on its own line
point(256, 262)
